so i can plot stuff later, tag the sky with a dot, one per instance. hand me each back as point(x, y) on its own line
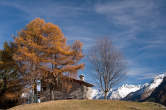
point(136, 27)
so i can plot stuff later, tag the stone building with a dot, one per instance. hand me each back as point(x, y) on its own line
point(78, 90)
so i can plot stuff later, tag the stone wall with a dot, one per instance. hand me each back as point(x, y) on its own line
point(78, 91)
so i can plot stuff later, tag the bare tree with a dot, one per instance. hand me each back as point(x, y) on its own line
point(108, 64)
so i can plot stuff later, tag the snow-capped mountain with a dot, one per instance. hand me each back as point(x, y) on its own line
point(98, 95)
point(123, 91)
point(129, 91)
point(156, 81)
point(92, 93)
point(159, 94)
point(146, 89)
point(119, 93)
point(135, 96)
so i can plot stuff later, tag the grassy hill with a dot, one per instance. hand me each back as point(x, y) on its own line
point(90, 105)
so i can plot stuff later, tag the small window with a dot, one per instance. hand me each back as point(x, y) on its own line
point(44, 88)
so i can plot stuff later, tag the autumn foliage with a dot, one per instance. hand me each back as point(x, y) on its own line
point(39, 53)
point(10, 78)
point(45, 55)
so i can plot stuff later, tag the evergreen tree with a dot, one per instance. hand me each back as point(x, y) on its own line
point(10, 78)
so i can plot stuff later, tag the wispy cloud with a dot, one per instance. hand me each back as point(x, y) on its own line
point(46, 8)
point(137, 27)
point(146, 76)
point(134, 68)
point(129, 12)
point(140, 36)
point(132, 16)
point(155, 42)
point(56, 11)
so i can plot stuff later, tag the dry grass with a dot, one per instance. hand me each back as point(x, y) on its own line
point(90, 105)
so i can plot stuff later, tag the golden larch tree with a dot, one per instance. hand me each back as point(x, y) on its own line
point(45, 55)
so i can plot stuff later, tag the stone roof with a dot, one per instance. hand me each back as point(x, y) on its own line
point(80, 81)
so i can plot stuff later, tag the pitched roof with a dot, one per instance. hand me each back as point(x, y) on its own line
point(79, 81)
point(84, 83)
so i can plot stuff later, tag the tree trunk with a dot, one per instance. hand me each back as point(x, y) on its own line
point(105, 95)
point(35, 92)
point(4, 84)
point(50, 94)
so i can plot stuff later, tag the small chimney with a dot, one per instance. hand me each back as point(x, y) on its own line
point(81, 77)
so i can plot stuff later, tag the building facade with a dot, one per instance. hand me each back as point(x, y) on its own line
point(78, 90)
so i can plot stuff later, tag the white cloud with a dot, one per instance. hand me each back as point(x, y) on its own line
point(129, 12)
point(132, 16)
point(147, 76)
point(134, 71)
point(156, 42)
point(134, 68)
point(48, 9)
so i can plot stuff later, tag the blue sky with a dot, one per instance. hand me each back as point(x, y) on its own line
point(136, 27)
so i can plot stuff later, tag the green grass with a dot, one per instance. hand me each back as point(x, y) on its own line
point(90, 105)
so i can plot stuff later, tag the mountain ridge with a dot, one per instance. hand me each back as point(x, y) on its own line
point(159, 94)
point(147, 90)
point(132, 92)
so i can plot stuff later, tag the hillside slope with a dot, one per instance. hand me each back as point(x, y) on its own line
point(146, 89)
point(159, 94)
point(90, 105)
